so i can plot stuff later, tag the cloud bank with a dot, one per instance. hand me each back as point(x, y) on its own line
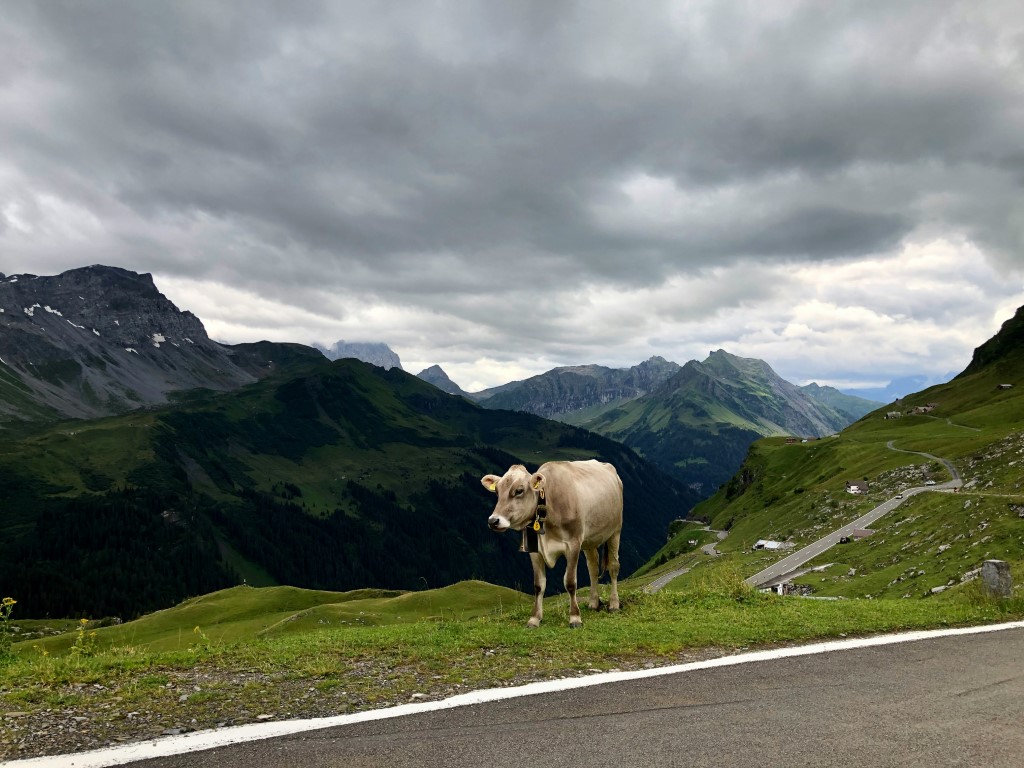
point(504, 187)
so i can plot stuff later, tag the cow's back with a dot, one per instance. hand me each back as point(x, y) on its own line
point(590, 491)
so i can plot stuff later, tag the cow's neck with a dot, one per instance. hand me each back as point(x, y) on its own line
point(534, 530)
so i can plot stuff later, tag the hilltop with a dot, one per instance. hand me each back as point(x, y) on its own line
point(436, 375)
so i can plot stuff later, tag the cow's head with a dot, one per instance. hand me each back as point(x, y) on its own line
point(518, 492)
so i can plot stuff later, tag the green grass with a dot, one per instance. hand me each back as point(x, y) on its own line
point(471, 633)
point(931, 541)
point(239, 654)
point(242, 614)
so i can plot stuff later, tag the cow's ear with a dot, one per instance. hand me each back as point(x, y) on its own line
point(490, 482)
point(537, 481)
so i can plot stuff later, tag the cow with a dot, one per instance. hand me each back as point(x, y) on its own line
point(576, 505)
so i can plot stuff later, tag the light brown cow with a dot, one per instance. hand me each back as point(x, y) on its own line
point(583, 501)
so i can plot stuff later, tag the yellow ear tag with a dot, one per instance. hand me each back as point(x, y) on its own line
point(493, 487)
point(536, 525)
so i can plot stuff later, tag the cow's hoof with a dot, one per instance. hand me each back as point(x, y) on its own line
point(575, 623)
point(613, 607)
point(594, 606)
point(533, 623)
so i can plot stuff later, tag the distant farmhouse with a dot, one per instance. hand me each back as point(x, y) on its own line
point(919, 409)
point(856, 486)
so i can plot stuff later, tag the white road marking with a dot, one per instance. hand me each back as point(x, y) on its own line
point(203, 740)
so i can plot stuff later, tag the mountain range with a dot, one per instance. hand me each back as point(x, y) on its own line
point(566, 390)
point(100, 340)
point(143, 462)
point(695, 421)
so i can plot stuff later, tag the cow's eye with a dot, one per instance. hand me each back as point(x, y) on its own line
point(517, 492)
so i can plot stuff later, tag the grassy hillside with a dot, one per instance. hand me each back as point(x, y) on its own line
point(244, 614)
point(796, 492)
point(333, 476)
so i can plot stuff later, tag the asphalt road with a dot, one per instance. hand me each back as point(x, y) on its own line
point(790, 563)
point(954, 701)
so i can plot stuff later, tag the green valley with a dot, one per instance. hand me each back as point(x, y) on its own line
point(325, 475)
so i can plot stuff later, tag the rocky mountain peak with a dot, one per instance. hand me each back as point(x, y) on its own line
point(374, 353)
point(99, 340)
point(125, 308)
point(436, 375)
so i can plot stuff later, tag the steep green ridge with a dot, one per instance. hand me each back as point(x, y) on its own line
point(700, 422)
point(850, 406)
point(796, 492)
point(327, 475)
point(1002, 348)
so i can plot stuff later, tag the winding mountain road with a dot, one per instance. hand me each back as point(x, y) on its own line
point(665, 578)
point(784, 567)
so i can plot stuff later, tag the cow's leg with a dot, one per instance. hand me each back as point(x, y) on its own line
point(572, 560)
point(594, 569)
point(540, 584)
point(612, 553)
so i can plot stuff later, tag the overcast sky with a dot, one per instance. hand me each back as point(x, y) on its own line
point(503, 187)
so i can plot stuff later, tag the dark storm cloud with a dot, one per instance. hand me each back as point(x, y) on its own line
point(370, 135)
point(412, 152)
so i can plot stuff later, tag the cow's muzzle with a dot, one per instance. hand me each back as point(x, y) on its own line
point(497, 523)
